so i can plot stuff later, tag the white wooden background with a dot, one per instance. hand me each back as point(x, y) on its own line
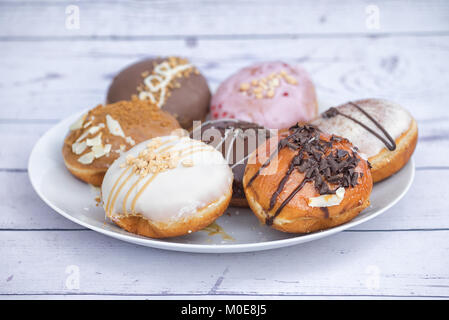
point(48, 72)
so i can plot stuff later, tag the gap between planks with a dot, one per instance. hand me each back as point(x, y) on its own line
point(223, 37)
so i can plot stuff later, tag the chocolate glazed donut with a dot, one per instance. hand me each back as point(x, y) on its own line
point(187, 95)
point(236, 140)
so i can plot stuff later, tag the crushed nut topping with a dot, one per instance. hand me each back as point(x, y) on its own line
point(266, 87)
point(151, 161)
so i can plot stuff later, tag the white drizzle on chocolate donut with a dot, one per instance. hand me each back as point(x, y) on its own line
point(158, 81)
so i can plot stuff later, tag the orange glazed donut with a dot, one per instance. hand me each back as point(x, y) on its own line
point(312, 181)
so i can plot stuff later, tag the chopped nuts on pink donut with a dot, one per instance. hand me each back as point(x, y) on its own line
point(272, 94)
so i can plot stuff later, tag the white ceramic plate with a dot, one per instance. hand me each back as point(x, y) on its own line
point(240, 231)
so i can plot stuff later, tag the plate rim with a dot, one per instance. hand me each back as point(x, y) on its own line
point(200, 248)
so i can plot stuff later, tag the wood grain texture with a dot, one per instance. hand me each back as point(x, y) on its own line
point(347, 264)
point(172, 19)
point(60, 78)
point(48, 72)
point(22, 208)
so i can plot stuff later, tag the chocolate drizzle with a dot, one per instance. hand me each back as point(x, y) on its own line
point(282, 143)
point(319, 163)
point(390, 144)
point(281, 184)
point(269, 220)
point(325, 211)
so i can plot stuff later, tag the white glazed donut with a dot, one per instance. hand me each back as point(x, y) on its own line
point(167, 186)
point(384, 132)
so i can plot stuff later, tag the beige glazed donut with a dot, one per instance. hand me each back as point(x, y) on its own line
point(101, 135)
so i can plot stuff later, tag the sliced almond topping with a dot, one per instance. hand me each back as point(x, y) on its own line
point(83, 136)
point(114, 126)
point(94, 129)
point(78, 123)
point(98, 151)
point(130, 141)
point(87, 158)
point(96, 141)
point(327, 200)
point(107, 148)
point(79, 147)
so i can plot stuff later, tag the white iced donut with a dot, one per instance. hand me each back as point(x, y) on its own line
point(384, 132)
point(167, 186)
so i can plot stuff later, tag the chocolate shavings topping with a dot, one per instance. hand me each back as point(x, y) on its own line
point(317, 161)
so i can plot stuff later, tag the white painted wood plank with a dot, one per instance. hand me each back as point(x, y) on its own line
point(169, 18)
point(51, 80)
point(18, 140)
point(21, 208)
point(423, 207)
point(350, 263)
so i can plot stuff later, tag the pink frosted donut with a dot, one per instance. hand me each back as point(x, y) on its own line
point(272, 94)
